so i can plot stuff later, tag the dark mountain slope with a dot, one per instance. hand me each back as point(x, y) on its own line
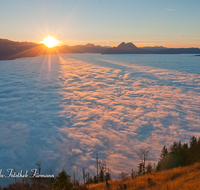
point(126, 48)
point(180, 51)
point(90, 48)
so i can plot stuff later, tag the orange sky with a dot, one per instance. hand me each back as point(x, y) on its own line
point(102, 22)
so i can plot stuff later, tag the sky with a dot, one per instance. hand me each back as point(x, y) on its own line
point(166, 23)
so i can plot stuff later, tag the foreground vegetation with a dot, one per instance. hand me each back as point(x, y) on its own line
point(178, 168)
point(186, 178)
point(180, 154)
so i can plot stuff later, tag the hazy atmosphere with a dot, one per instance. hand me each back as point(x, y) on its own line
point(145, 23)
point(66, 110)
point(120, 78)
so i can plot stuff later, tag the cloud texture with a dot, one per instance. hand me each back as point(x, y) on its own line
point(63, 109)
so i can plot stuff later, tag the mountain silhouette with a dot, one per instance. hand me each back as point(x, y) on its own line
point(11, 50)
point(180, 51)
point(155, 48)
point(126, 48)
point(129, 48)
point(90, 48)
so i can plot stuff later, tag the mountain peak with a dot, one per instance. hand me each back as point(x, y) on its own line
point(127, 46)
point(91, 45)
point(122, 44)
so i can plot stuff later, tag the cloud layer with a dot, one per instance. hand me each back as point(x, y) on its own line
point(63, 109)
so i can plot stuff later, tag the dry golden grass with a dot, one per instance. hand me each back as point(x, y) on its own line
point(186, 178)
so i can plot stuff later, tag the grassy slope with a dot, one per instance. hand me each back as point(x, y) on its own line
point(187, 178)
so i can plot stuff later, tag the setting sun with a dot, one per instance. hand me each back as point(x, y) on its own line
point(50, 42)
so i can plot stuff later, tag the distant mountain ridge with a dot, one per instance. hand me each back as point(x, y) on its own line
point(12, 50)
point(180, 51)
point(130, 48)
point(126, 48)
point(90, 48)
point(155, 48)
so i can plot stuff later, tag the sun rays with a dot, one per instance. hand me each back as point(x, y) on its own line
point(50, 42)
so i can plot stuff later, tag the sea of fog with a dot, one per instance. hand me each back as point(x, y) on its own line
point(62, 109)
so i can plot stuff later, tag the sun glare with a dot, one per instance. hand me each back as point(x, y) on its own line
point(50, 42)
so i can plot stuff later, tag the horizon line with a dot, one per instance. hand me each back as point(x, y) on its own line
point(107, 45)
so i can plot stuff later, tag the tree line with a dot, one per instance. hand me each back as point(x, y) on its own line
point(177, 154)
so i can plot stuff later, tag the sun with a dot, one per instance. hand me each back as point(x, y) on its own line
point(50, 42)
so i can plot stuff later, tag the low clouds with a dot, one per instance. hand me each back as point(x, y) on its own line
point(121, 107)
point(88, 103)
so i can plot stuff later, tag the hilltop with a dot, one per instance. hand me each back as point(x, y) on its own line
point(186, 178)
point(178, 168)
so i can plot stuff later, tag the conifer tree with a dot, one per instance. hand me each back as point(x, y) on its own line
point(174, 149)
point(63, 181)
point(149, 168)
point(194, 150)
point(185, 153)
point(164, 152)
point(141, 169)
